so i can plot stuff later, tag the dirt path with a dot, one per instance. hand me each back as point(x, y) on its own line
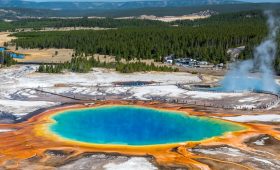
point(4, 37)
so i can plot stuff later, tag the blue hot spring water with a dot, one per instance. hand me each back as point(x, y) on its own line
point(13, 55)
point(129, 125)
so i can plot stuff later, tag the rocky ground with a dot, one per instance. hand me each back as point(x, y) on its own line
point(24, 92)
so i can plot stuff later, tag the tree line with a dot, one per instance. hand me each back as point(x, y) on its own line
point(6, 59)
point(82, 64)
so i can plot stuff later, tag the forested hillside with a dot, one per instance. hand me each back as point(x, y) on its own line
point(84, 22)
point(206, 39)
point(157, 11)
point(223, 19)
point(102, 5)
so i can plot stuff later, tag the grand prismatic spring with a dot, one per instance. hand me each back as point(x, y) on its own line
point(135, 126)
point(167, 133)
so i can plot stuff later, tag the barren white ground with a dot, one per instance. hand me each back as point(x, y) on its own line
point(18, 98)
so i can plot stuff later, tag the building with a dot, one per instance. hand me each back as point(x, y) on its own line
point(169, 59)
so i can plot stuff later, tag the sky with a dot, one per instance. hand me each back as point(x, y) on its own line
point(261, 0)
point(140, 0)
point(90, 0)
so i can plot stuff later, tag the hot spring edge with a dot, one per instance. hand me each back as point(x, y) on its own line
point(135, 126)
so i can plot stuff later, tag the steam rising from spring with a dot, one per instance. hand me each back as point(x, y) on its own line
point(240, 78)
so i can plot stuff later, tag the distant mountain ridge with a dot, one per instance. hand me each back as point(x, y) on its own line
point(110, 5)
